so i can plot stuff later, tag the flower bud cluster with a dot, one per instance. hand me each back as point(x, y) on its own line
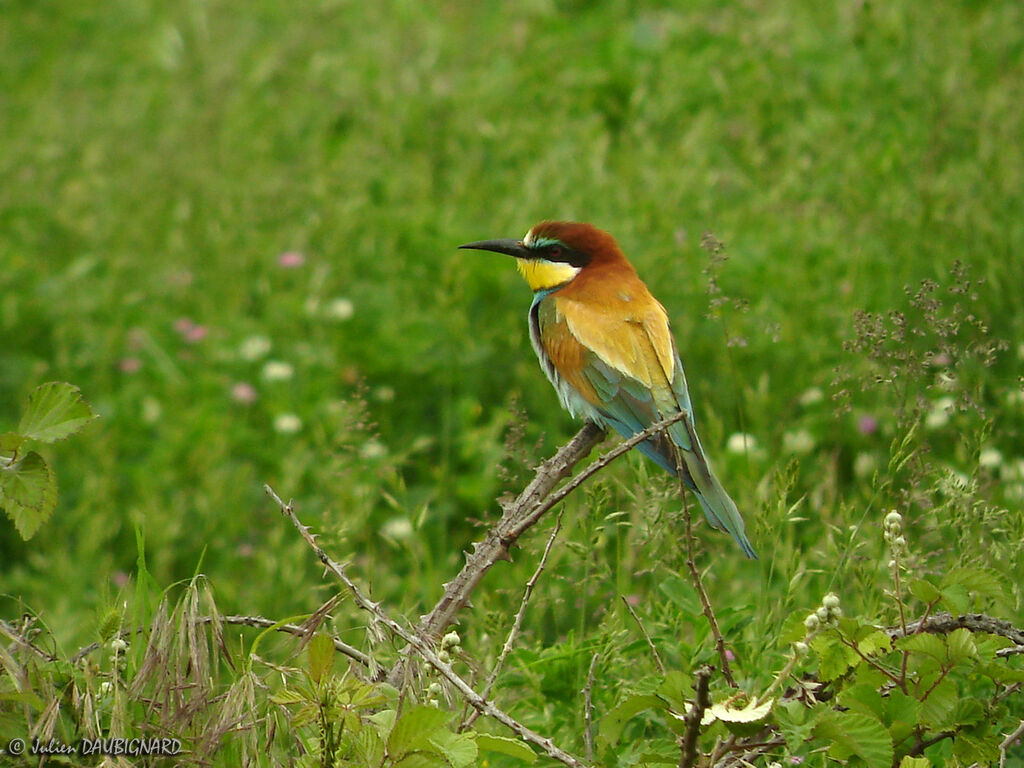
point(827, 615)
point(449, 646)
point(893, 531)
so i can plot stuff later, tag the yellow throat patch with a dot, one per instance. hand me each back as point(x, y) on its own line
point(543, 275)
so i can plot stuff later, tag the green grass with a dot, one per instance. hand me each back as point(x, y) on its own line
point(160, 158)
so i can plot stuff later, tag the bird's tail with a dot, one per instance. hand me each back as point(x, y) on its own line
point(719, 508)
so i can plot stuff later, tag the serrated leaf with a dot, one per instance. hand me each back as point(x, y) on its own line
point(505, 746)
point(956, 598)
point(982, 580)
point(924, 591)
point(753, 712)
point(421, 760)
point(28, 493)
point(915, 762)
point(288, 696)
point(873, 642)
point(369, 747)
point(834, 658)
point(384, 721)
point(862, 698)
point(321, 656)
point(936, 709)
point(1003, 673)
point(55, 411)
point(414, 727)
point(973, 748)
point(852, 733)
point(613, 723)
point(960, 645)
point(927, 644)
point(459, 749)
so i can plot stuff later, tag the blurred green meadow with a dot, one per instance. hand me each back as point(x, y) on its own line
point(234, 227)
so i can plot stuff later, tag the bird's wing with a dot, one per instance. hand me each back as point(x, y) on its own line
point(626, 366)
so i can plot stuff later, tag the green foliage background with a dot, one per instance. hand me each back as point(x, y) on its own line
point(164, 161)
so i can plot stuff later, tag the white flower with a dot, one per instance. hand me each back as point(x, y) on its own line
point(800, 441)
point(372, 449)
point(812, 396)
point(276, 370)
point(340, 309)
point(254, 348)
point(287, 423)
point(741, 442)
point(938, 416)
point(990, 458)
point(397, 528)
point(864, 465)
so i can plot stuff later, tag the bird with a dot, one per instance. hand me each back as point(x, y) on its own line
point(605, 345)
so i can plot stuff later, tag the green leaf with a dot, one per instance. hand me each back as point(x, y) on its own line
point(459, 749)
point(924, 591)
point(613, 723)
point(924, 643)
point(956, 598)
point(55, 411)
point(414, 728)
point(505, 746)
point(984, 581)
point(852, 733)
point(960, 644)
point(915, 762)
point(936, 709)
point(28, 493)
point(873, 641)
point(10, 442)
point(421, 760)
point(973, 748)
point(321, 656)
point(288, 696)
point(862, 698)
point(834, 658)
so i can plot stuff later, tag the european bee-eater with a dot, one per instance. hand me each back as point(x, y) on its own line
point(604, 342)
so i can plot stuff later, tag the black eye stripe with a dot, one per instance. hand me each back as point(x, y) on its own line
point(564, 255)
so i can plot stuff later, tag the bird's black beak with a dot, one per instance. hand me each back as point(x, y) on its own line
point(506, 246)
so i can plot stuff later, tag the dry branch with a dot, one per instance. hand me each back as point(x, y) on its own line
point(423, 647)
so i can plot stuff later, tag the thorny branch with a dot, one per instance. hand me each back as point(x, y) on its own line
point(521, 514)
point(517, 623)
point(422, 647)
point(701, 701)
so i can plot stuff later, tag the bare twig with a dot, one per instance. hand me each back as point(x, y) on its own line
point(495, 546)
point(698, 584)
point(701, 701)
point(517, 623)
point(522, 513)
point(647, 637)
point(1006, 743)
point(422, 646)
point(588, 709)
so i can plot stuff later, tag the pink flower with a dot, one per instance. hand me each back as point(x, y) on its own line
point(196, 333)
point(183, 325)
point(291, 260)
point(867, 425)
point(129, 365)
point(244, 393)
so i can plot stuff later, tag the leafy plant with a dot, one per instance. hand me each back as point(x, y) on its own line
point(28, 485)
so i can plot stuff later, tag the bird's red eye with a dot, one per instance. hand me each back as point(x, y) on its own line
point(555, 251)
